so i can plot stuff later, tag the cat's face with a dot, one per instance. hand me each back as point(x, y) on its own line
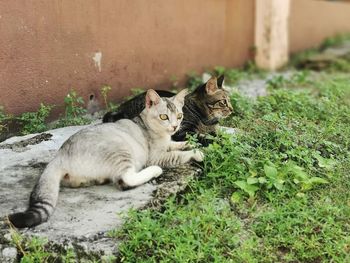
point(164, 115)
point(215, 99)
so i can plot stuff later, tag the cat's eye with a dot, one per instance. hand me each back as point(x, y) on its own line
point(222, 104)
point(163, 117)
point(179, 116)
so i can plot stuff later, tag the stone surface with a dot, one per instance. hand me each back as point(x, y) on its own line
point(83, 216)
point(9, 254)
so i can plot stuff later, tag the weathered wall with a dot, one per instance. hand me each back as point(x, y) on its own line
point(48, 47)
point(311, 21)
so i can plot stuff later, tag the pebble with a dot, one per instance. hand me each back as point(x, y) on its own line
point(9, 253)
point(8, 237)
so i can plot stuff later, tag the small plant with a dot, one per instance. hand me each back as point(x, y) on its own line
point(74, 111)
point(3, 118)
point(34, 122)
point(108, 105)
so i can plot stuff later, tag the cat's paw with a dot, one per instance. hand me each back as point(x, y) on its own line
point(156, 170)
point(198, 155)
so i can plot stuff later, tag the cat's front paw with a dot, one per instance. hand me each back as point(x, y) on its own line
point(198, 155)
point(155, 170)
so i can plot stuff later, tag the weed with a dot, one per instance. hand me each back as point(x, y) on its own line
point(108, 105)
point(34, 122)
point(3, 119)
point(74, 111)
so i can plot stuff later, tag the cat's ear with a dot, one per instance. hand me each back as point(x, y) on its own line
point(220, 81)
point(152, 98)
point(180, 97)
point(211, 86)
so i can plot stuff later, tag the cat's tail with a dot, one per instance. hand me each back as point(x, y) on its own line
point(43, 198)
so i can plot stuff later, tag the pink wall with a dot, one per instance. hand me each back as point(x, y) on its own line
point(47, 47)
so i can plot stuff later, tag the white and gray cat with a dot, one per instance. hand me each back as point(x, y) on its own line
point(129, 153)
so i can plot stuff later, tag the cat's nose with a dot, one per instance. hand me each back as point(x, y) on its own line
point(175, 127)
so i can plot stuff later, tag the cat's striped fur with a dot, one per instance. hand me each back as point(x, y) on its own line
point(128, 153)
point(203, 109)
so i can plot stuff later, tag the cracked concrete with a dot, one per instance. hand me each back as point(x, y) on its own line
point(83, 216)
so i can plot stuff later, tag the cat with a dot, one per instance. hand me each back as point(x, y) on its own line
point(128, 152)
point(203, 109)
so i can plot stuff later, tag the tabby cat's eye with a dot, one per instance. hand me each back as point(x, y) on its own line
point(222, 104)
point(163, 117)
point(179, 116)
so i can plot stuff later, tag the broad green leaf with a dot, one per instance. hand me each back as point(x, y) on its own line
point(279, 184)
point(252, 180)
point(325, 163)
point(262, 180)
point(248, 188)
point(270, 171)
point(317, 180)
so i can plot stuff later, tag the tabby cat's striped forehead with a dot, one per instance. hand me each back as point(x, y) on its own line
point(218, 95)
point(170, 105)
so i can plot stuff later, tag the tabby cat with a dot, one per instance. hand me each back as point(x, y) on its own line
point(203, 109)
point(128, 153)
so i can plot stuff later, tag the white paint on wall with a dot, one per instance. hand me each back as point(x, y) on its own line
point(97, 59)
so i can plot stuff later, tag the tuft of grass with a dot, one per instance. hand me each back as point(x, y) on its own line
point(108, 105)
point(34, 122)
point(3, 119)
point(74, 111)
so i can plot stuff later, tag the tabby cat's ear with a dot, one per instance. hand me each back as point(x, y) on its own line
point(211, 86)
point(152, 98)
point(220, 81)
point(180, 97)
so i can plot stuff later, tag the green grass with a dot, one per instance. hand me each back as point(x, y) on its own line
point(276, 192)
